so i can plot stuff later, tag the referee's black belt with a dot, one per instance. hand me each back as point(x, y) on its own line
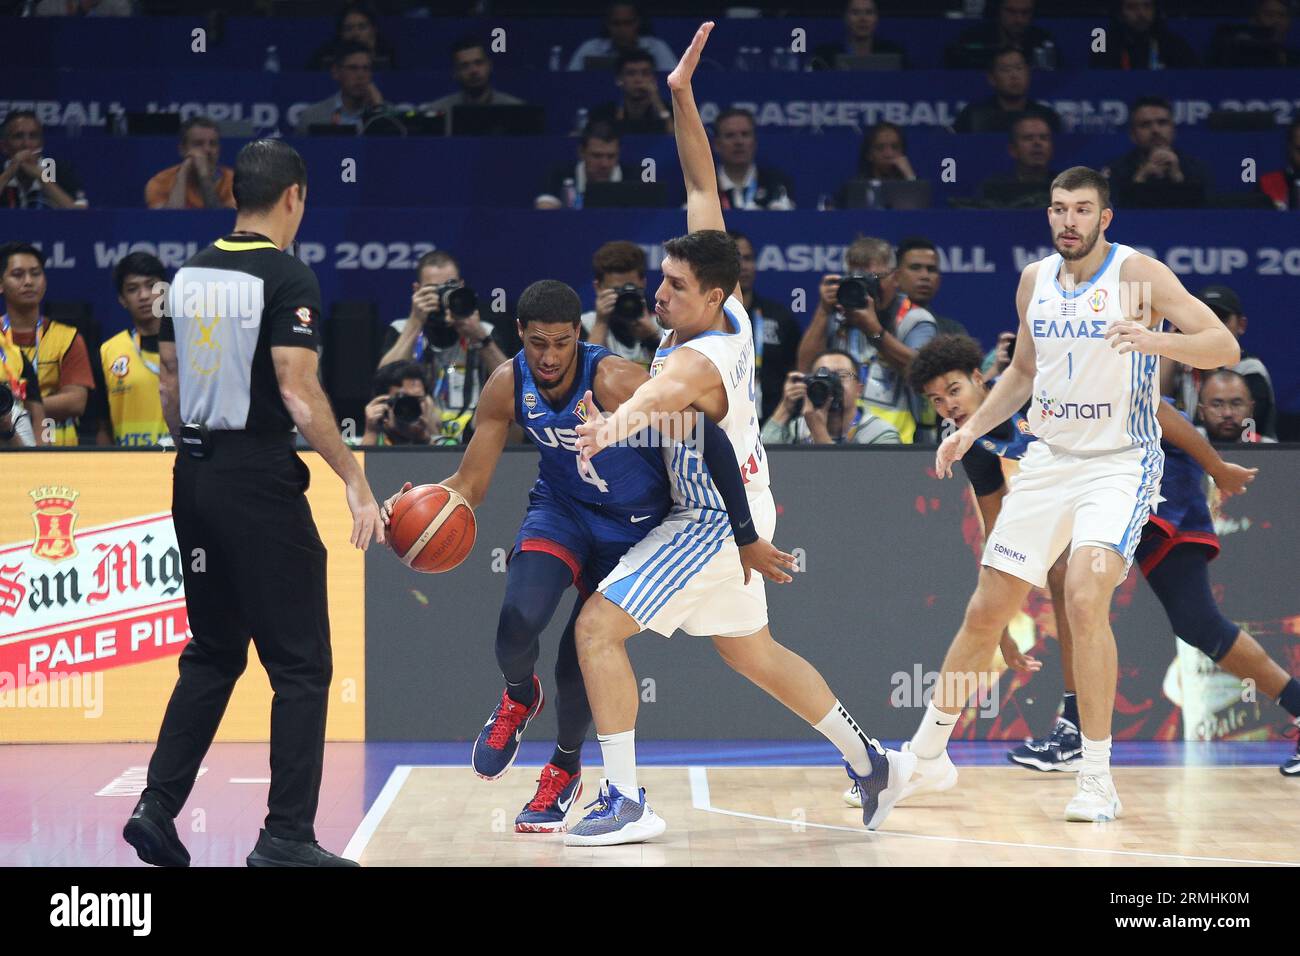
point(199, 441)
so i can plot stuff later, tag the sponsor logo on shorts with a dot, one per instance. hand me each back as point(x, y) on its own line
point(1016, 556)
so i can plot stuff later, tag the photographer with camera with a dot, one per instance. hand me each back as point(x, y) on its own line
point(20, 398)
point(864, 314)
point(444, 332)
point(403, 412)
point(826, 408)
point(622, 321)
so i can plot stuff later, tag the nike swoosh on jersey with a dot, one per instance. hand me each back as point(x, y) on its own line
point(536, 414)
point(634, 519)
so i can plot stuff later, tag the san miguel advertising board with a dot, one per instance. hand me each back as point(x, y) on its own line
point(92, 602)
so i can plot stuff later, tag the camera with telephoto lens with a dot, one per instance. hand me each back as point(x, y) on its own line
point(407, 410)
point(855, 288)
point(823, 387)
point(6, 400)
point(456, 300)
point(629, 304)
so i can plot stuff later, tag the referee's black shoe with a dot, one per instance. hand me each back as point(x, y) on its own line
point(152, 832)
point(274, 851)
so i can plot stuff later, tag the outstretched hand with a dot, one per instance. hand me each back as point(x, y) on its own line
point(680, 77)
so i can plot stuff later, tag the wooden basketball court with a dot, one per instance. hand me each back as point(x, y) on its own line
point(794, 816)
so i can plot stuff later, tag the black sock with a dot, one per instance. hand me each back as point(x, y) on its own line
point(567, 760)
point(524, 693)
point(1070, 708)
point(1289, 699)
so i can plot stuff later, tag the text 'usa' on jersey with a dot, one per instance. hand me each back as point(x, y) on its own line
point(621, 479)
point(1087, 396)
point(732, 354)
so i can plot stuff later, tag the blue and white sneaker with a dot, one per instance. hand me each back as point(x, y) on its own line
point(616, 819)
point(1291, 767)
point(557, 791)
point(877, 792)
point(498, 741)
point(1061, 750)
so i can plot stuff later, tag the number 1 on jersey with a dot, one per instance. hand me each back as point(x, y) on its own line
point(1069, 361)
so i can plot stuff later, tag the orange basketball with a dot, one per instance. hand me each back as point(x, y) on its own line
point(432, 529)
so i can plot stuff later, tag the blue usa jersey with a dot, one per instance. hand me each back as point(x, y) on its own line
point(622, 480)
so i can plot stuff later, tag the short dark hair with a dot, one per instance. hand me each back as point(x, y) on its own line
point(467, 43)
point(1084, 177)
point(912, 243)
point(395, 373)
point(346, 48)
point(1142, 101)
point(857, 366)
point(1006, 50)
point(1224, 375)
point(941, 355)
point(1026, 118)
point(11, 249)
point(732, 112)
point(713, 257)
point(17, 115)
point(194, 121)
point(549, 300)
point(618, 256)
point(137, 264)
point(633, 56)
point(869, 139)
point(436, 257)
point(264, 169)
point(601, 130)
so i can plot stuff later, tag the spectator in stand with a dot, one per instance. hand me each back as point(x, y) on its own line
point(742, 183)
point(1183, 383)
point(881, 157)
point(1139, 39)
point(131, 407)
point(55, 350)
point(623, 35)
point(1009, 76)
point(472, 68)
point(776, 333)
point(460, 350)
point(357, 97)
point(84, 8)
point(919, 278)
point(1283, 185)
point(861, 18)
point(198, 181)
point(620, 267)
point(641, 110)
point(883, 336)
point(1153, 174)
point(358, 23)
point(1226, 411)
point(30, 179)
point(841, 417)
point(1260, 43)
point(598, 153)
point(1007, 24)
point(1028, 185)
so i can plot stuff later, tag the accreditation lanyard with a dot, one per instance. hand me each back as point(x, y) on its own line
point(16, 384)
point(36, 355)
point(151, 366)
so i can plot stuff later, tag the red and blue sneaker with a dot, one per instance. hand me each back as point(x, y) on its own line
point(557, 791)
point(498, 741)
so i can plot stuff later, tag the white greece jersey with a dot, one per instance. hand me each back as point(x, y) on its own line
point(1087, 397)
point(733, 354)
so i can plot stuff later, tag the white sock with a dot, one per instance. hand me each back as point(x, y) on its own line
point(1096, 756)
point(931, 738)
point(618, 752)
point(843, 731)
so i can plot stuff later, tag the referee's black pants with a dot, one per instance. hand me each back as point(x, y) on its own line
point(254, 567)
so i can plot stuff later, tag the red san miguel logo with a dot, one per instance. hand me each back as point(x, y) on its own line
point(89, 599)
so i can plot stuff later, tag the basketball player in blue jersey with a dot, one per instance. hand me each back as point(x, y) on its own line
point(1176, 546)
point(1087, 352)
point(578, 524)
point(689, 572)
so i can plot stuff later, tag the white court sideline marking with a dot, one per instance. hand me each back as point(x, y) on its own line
point(375, 815)
point(701, 800)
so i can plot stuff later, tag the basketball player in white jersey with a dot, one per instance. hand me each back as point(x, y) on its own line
point(690, 572)
point(1088, 349)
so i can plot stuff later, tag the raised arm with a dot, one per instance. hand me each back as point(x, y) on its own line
point(703, 208)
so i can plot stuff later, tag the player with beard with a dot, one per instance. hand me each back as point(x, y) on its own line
point(1087, 351)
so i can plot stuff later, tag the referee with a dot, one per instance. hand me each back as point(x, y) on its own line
point(238, 353)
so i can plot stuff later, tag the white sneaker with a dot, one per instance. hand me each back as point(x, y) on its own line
point(1095, 801)
point(616, 819)
point(934, 775)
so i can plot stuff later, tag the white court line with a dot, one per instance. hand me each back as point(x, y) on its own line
point(250, 779)
point(700, 800)
point(375, 815)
